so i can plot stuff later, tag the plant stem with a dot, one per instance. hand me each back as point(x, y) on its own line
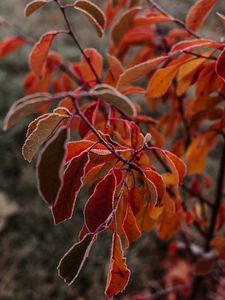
point(72, 34)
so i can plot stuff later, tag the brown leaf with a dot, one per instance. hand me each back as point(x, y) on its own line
point(72, 262)
point(112, 96)
point(50, 164)
point(45, 127)
point(94, 14)
point(33, 6)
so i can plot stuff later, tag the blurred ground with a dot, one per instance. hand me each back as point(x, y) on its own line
point(30, 245)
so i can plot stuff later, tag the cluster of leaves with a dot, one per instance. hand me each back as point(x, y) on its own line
point(92, 133)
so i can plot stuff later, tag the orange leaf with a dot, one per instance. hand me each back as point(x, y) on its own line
point(118, 274)
point(130, 227)
point(49, 166)
point(220, 65)
point(198, 13)
point(194, 44)
point(72, 262)
point(124, 24)
point(10, 44)
point(205, 265)
point(160, 81)
point(138, 71)
point(39, 53)
point(156, 186)
point(94, 14)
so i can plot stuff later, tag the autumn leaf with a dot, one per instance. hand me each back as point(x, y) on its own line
point(155, 184)
point(71, 185)
point(138, 71)
point(114, 97)
point(198, 13)
point(100, 205)
point(94, 14)
point(72, 262)
point(10, 44)
point(41, 133)
point(39, 53)
point(50, 164)
point(34, 5)
point(160, 81)
point(118, 274)
point(130, 227)
point(25, 107)
point(220, 65)
point(124, 24)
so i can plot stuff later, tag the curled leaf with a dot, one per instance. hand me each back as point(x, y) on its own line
point(112, 96)
point(25, 107)
point(33, 6)
point(43, 130)
point(94, 14)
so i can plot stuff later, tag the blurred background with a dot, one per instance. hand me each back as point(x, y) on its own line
point(30, 244)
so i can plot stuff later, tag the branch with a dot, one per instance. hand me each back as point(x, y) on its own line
point(72, 34)
point(152, 4)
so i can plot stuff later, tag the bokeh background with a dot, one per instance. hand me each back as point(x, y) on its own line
point(30, 244)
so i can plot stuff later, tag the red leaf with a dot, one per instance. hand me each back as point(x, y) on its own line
point(72, 262)
point(220, 65)
point(76, 148)
point(49, 166)
point(198, 13)
point(39, 53)
point(100, 205)
point(119, 274)
point(10, 44)
point(72, 183)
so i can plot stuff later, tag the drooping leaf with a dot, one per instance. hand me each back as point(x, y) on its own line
point(130, 227)
point(100, 205)
point(94, 14)
point(71, 185)
point(198, 13)
point(72, 262)
point(40, 134)
point(156, 186)
point(25, 107)
point(138, 71)
point(160, 81)
point(39, 53)
point(34, 5)
point(220, 65)
point(50, 164)
point(118, 274)
point(10, 44)
point(114, 97)
point(124, 24)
